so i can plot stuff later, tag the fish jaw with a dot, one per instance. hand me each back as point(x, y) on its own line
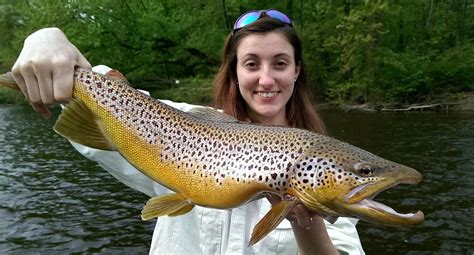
point(359, 201)
point(374, 212)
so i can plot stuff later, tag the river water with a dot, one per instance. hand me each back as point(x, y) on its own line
point(54, 201)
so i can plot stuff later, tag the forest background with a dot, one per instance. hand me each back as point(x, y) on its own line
point(383, 52)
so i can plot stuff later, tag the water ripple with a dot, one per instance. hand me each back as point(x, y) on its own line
point(54, 201)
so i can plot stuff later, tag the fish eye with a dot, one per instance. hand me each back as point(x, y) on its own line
point(364, 169)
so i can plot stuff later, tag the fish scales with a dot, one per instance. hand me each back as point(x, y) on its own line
point(207, 153)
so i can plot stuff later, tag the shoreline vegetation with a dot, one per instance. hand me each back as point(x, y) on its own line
point(359, 55)
point(199, 91)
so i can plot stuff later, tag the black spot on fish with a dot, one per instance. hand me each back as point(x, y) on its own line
point(274, 176)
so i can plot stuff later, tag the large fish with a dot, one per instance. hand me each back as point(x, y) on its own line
point(210, 159)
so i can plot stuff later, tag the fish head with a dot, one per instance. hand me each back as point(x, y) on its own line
point(338, 179)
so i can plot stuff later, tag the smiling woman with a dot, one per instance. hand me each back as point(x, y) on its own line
point(299, 109)
point(266, 73)
point(261, 79)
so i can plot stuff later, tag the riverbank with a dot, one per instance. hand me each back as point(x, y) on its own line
point(448, 102)
point(187, 91)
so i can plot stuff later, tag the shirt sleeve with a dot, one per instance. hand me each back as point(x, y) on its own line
point(117, 166)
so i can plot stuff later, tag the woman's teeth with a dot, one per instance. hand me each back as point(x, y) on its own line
point(267, 94)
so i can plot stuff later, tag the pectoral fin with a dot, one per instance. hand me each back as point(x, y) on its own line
point(171, 205)
point(77, 123)
point(271, 220)
point(183, 210)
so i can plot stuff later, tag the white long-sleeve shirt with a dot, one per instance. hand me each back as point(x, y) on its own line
point(211, 231)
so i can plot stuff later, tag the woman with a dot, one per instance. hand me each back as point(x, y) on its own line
point(261, 80)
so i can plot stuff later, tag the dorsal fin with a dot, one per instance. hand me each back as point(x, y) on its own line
point(208, 113)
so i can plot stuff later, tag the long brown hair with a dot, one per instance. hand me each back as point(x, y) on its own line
point(300, 111)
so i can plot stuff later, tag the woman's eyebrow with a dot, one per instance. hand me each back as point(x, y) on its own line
point(282, 55)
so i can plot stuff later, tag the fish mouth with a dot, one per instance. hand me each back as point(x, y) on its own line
point(361, 204)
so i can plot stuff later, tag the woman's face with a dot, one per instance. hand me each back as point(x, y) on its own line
point(266, 72)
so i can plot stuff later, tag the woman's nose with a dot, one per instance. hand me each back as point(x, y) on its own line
point(266, 77)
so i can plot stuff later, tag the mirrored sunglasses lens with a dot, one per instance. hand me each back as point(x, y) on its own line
point(279, 16)
point(246, 19)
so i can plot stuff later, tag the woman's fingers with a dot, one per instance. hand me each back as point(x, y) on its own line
point(63, 76)
point(81, 60)
point(45, 68)
point(45, 84)
point(303, 216)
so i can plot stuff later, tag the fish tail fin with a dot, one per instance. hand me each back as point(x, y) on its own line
point(7, 81)
point(171, 205)
point(77, 123)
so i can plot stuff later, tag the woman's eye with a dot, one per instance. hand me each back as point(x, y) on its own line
point(251, 65)
point(281, 64)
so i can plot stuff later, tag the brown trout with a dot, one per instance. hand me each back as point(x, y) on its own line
point(211, 159)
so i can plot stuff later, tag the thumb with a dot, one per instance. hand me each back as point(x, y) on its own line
point(82, 61)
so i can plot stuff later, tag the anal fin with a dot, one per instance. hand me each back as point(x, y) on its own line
point(171, 205)
point(271, 220)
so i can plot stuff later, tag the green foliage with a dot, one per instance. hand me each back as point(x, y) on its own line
point(189, 90)
point(357, 51)
point(8, 96)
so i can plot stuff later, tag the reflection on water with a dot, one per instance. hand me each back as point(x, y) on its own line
point(54, 201)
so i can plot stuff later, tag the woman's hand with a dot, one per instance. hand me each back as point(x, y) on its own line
point(45, 68)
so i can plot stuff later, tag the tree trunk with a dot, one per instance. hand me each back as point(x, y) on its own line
point(228, 23)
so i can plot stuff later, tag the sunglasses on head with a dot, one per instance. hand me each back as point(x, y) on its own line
point(252, 16)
